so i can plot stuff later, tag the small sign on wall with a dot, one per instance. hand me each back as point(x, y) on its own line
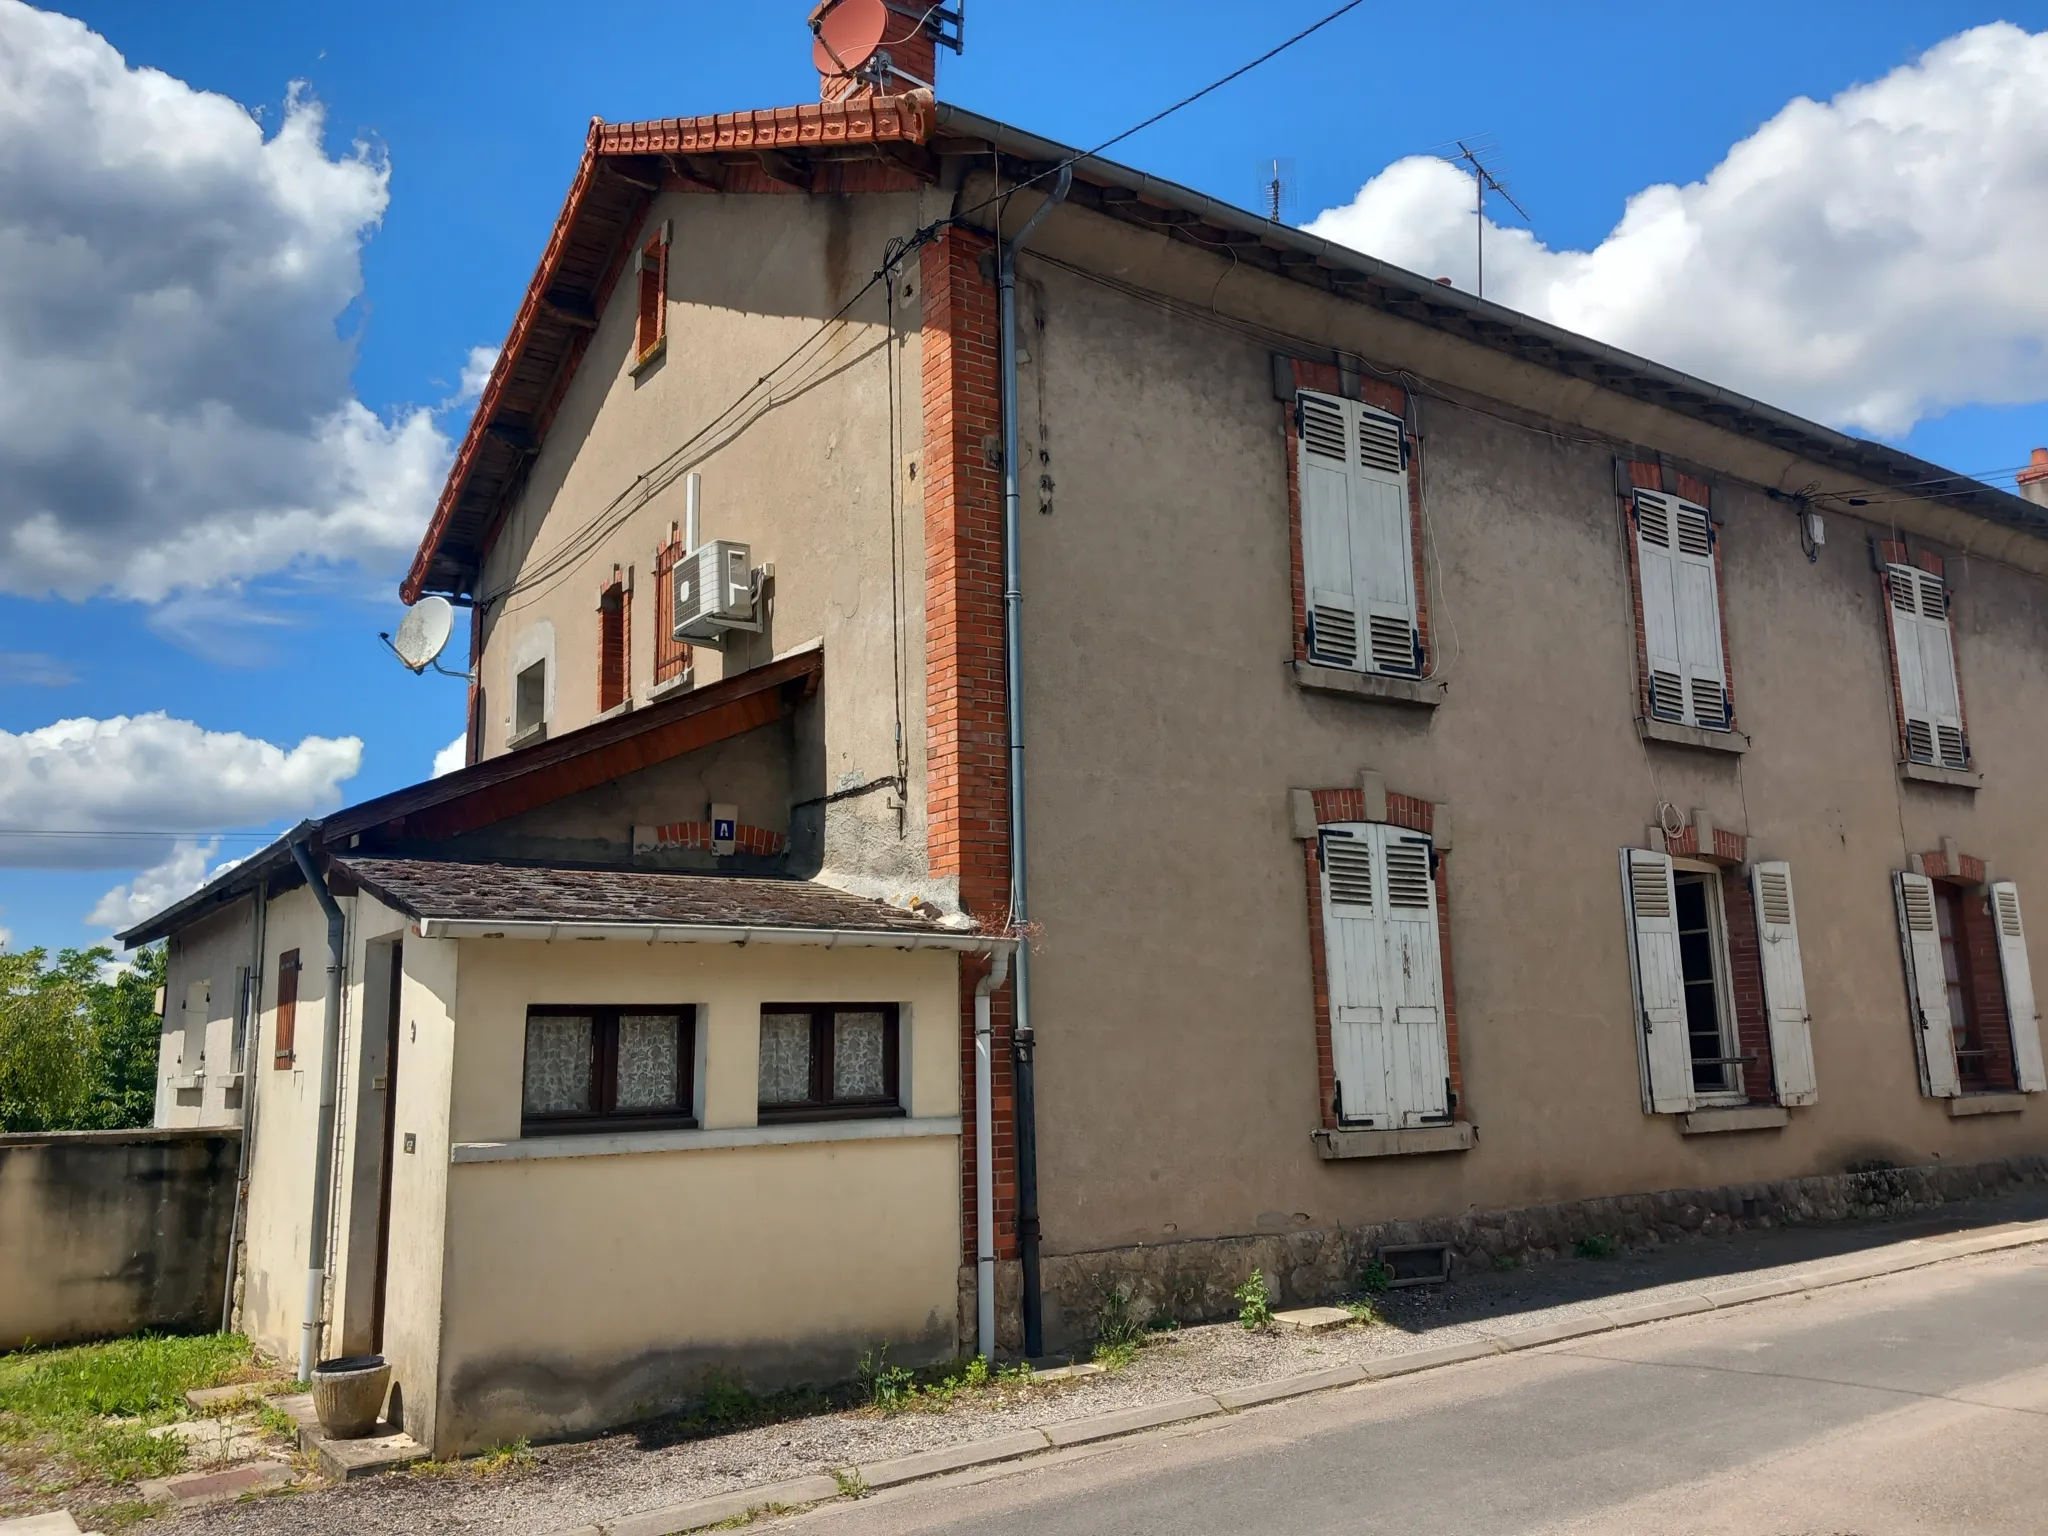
point(725, 829)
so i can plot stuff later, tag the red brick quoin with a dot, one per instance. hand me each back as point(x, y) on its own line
point(1335, 805)
point(967, 767)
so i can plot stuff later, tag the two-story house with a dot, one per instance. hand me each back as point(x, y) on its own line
point(1453, 768)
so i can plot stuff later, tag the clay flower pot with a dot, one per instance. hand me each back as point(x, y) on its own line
point(348, 1395)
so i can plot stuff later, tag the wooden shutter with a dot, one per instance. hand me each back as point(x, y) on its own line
point(287, 1009)
point(1357, 545)
point(611, 647)
point(2020, 1006)
point(1385, 967)
point(1681, 611)
point(1777, 921)
point(1925, 651)
point(671, 656)
point(1651, 901)
point(652, 323)
point(1927, 988)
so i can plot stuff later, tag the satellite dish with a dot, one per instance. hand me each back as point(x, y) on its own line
point(848, 35)
point(423, 632)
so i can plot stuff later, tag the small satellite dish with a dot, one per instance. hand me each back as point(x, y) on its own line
point(423, 632)
point(847, 35)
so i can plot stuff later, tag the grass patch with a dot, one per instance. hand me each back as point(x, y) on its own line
point(273, 1420)
point(508, 1460)
point(851, 1484)
point(1364, 1313)
point(1598, 1246)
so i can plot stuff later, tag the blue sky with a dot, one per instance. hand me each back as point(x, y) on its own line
point(480, 111)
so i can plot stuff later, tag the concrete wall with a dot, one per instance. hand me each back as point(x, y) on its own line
point(105, 1233)
point(803, 474)
point(1172, 995)
point(199, 1080)
point(591, 1280)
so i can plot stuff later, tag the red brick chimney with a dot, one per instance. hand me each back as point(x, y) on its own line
point(877, 47)
point(2034, 479)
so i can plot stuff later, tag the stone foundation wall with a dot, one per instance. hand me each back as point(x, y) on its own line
point(1192, 1282)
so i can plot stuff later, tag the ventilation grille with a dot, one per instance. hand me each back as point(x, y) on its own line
point(1709, 703)
point(1649, 889)
point(1953, 753)
point(1379, 443)
point(1667, 696)
point(1393, 644)
point(1919, 906)
point(1919, 741)
point(1322, 427)
point(1776, 891)
point(2009, 914)
point(1408, 874)
point(1653, 521)
point(1695, 532)
point(1333, 635)
point(1349, 867)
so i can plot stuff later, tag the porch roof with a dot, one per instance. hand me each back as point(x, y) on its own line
point(523, 901)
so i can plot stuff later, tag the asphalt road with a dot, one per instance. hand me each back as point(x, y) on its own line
point(1913, 1404)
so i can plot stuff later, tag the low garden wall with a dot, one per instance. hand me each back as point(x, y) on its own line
point(112, 1232)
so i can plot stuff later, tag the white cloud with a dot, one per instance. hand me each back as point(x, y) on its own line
point(476, 373)
point(34, 669)
point(129, 783)
point(179, 875)
point(175, 405)
point(1869, 260)
point(451, 757)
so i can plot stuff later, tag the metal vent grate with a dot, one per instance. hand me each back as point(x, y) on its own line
point(1333, 635)
point(1379, 444)
point(1393, 644)
point(1919, 907)
point(1322, 427)
point(1408, 874)
point(1348, 863)
point(1649, 890)
point(1776, 891)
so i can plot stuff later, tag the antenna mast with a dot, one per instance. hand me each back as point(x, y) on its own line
point(1482, 178)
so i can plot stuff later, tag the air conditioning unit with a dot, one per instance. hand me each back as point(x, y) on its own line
point(715, 592)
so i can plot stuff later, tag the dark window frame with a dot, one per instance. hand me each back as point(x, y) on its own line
point(605, 1115)
point(821, 1105)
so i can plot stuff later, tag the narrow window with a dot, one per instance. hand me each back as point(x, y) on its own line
point(614, 605)
point(238, 1044)
point(530, 701)
point(652, 327)
point(608, 1069)
point(1965, 1028)
point(671, 656)
point(829, 1061)
point(284, 1053)
point(1923, 657)
point(198, 1005)
point(1678, 580)
point(1703, 964)
point(1357, 540)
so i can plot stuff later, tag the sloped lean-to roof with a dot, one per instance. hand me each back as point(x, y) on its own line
point(811, 147)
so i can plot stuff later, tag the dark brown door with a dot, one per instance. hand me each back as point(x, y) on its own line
point(390, 1143)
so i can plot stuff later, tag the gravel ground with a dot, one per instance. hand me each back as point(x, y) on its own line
point(648, 1465)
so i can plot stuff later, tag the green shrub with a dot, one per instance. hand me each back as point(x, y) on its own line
point(1598, 1246)
point(885, 1386)
point(1375, 1278)
point(1254, 1301)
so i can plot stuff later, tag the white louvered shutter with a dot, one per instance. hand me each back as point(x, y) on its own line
point(2020, 1006)
point(1357, 548)
point(1777, 920)
point(1681, 611)
point(1921, 639)
point(1934, 1034)
point(1651, 902)
point(1387, 1031)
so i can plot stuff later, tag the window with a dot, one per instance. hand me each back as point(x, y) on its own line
point(1976, 1023)
point(671, 656)
point(609, 1069)
point(652, 325)
point(829, 1061)
point(238, 1041)
point(530, 701)
point(287, 1009)
point(1684, 662)
point(1384, 970)
point(1923, 655)
point(1703, 965)
point(1357, 538)
point(1965, 1032)
point(614, 610)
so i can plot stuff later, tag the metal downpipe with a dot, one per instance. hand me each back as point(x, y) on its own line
point(323, 1151)
point(252, 1048)
point(985, 1160)
point(1013, 670)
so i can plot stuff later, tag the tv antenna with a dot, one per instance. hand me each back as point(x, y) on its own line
point(422, 636)
point(1483, 178)
point(1276, 187)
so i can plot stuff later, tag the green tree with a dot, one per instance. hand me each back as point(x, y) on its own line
point(78, 1046)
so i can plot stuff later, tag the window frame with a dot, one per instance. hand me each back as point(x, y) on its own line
point(524, 727)
point(820, 1105)
point(1732, 1065)
point(614, 644)
point(650, 317)
point(606, 1116)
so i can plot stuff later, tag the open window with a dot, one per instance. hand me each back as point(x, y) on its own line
point(530, 701)
point(1976, 1024)
point(1357, 539)
point(1389, 1042)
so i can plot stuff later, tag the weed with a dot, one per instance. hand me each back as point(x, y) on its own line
point(1254, 1301)
point(514, 1456)
point(851, 1484)
point(1018, 1375)
point(273, 1420)
point(1364, 1313)
point(1114, 1357)
point(975, 1375)
point(124, 1513)
point(1598, 1246)
point(1375, 1277)
point(1503, 1262)
point(725, 1403)
point(747, 1517)
point(890, 1388)
point(1116, 1319)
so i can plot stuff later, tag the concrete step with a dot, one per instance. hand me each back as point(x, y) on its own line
point(190, 1490)
point(344, 1459)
